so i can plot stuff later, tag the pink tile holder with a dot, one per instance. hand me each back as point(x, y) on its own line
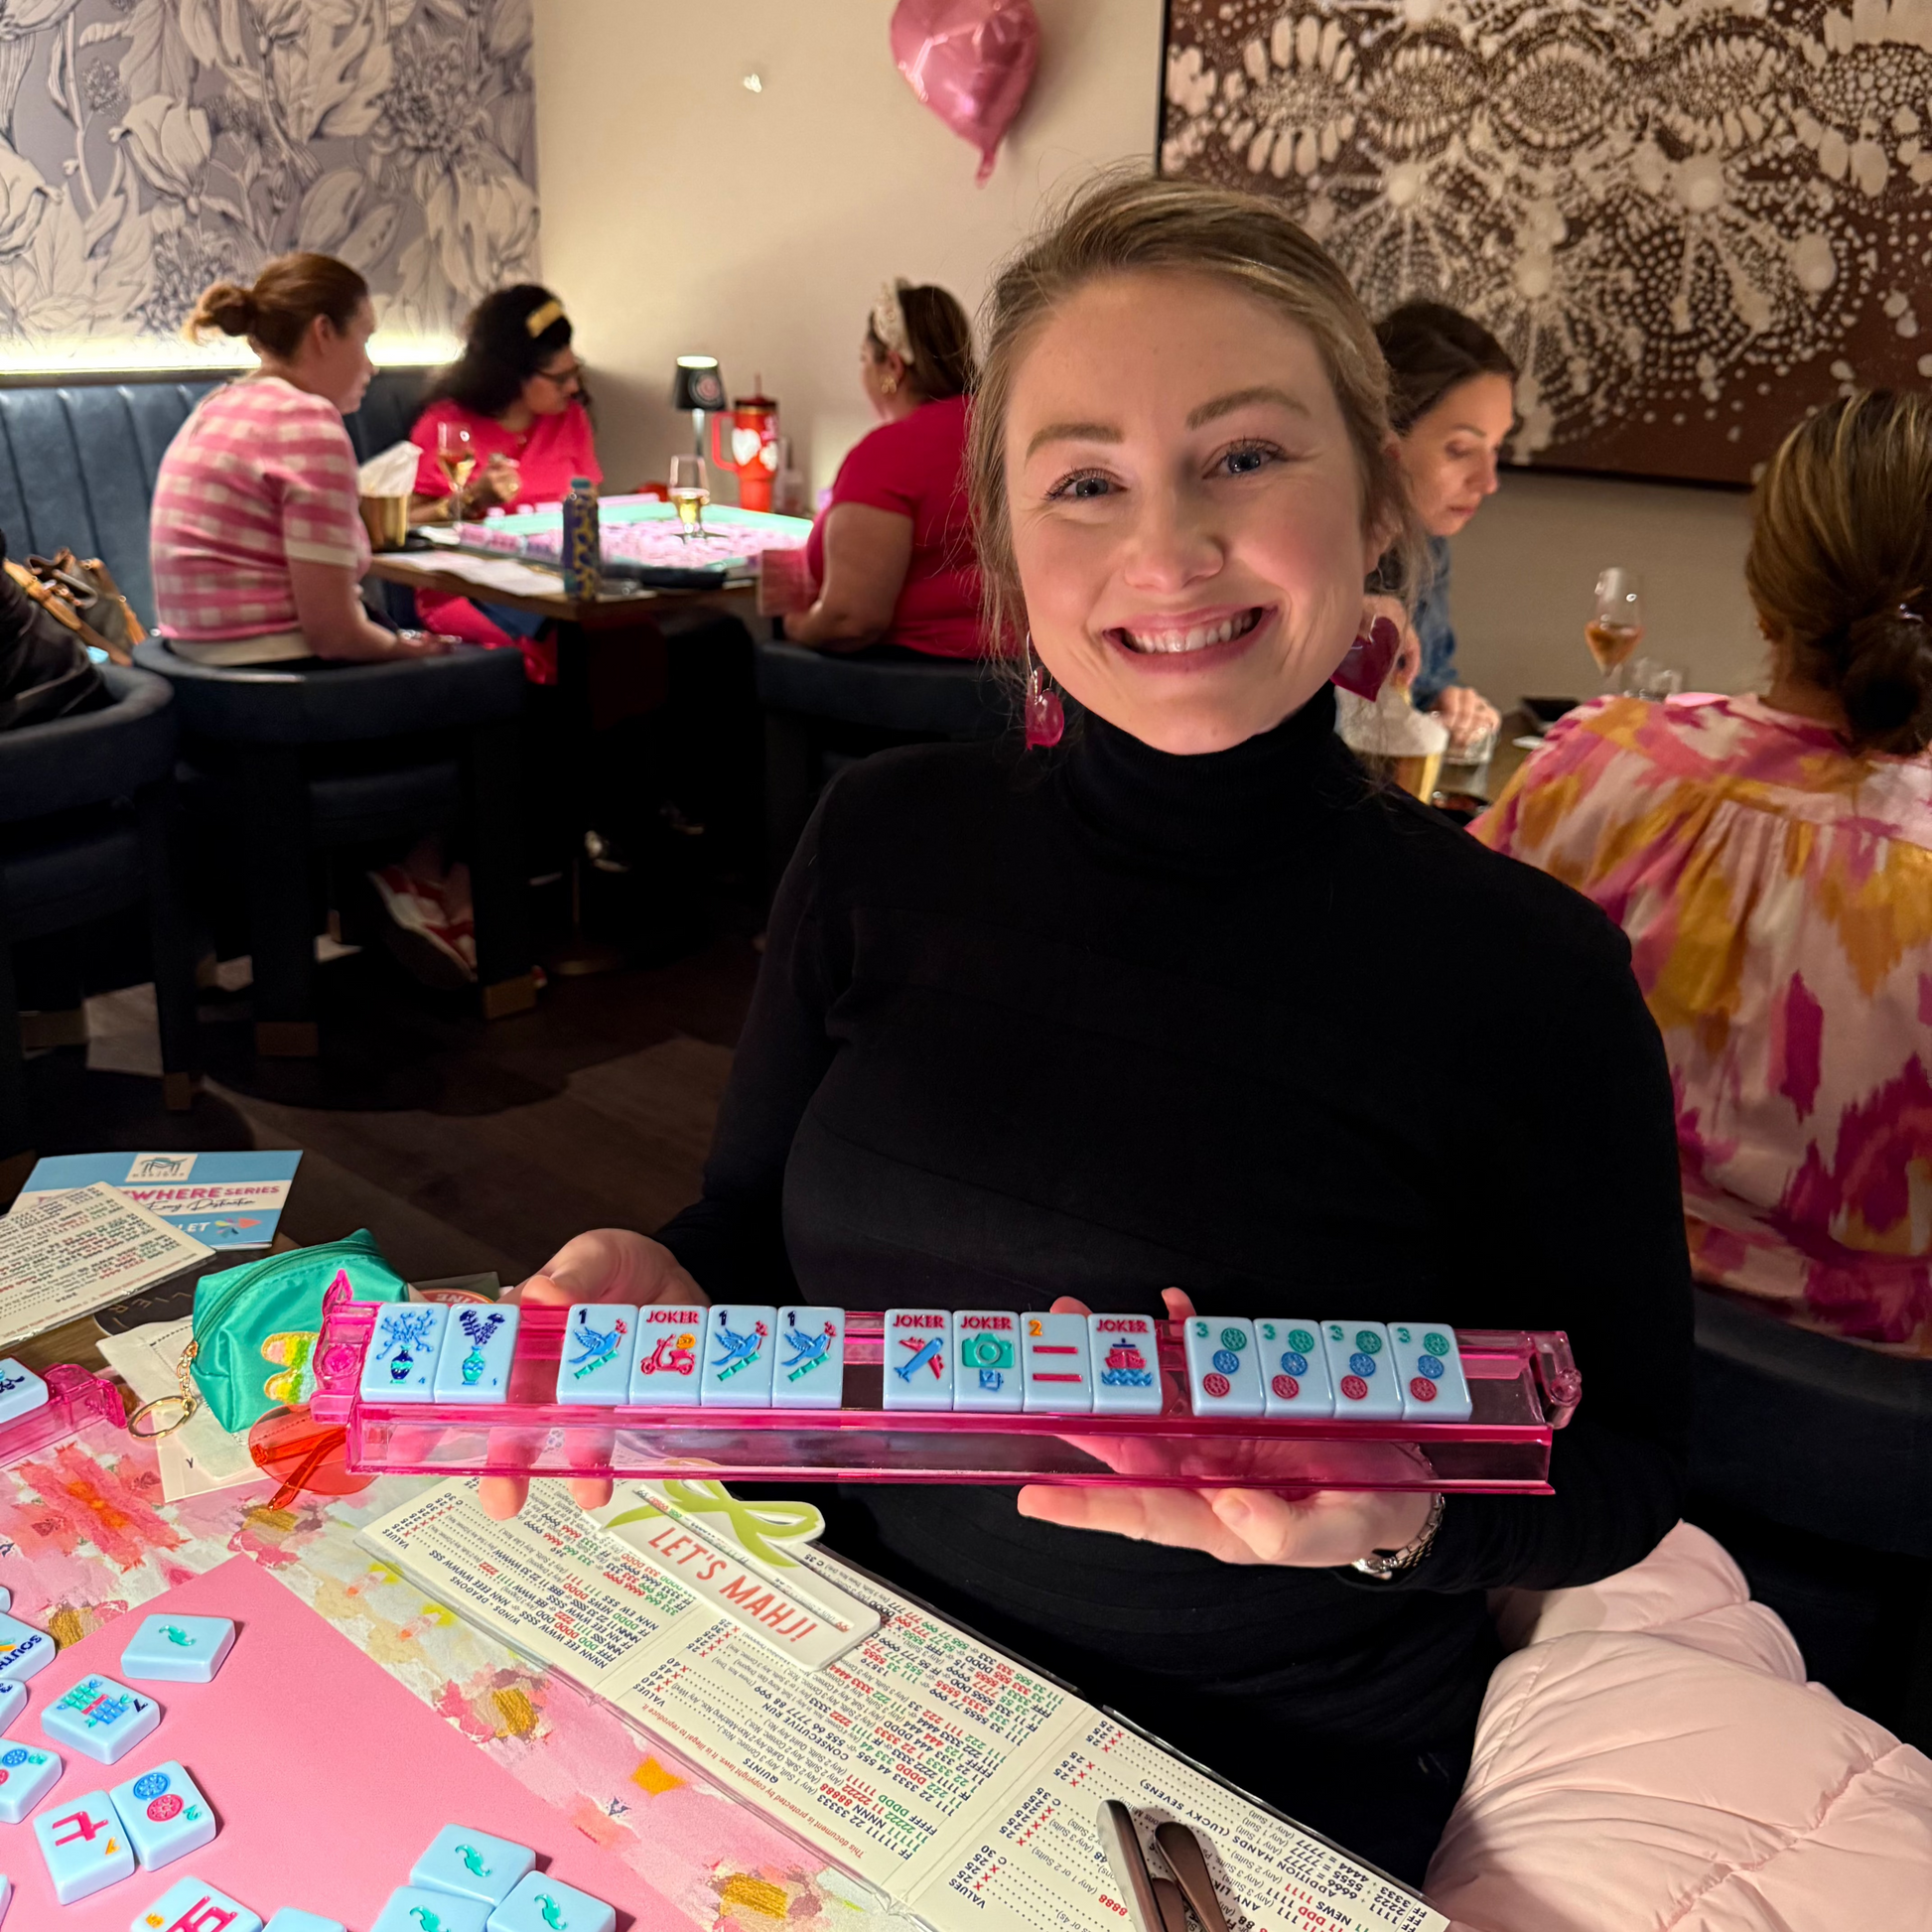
point(1521, 1388)
point(74, 1399)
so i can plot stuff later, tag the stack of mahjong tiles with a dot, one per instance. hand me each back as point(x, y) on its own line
point(984, 1361)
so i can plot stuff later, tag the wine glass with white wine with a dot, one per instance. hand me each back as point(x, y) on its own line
point(690, 492)
point(1615, 628)
point(456, 453)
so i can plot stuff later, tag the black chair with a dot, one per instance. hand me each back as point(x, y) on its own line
point(86, 830)
point(284, 761)
point(823, 709)
point(1812, 1462)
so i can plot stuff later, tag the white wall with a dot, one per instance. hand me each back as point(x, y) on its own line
point(1524, 569)
point(683, 213)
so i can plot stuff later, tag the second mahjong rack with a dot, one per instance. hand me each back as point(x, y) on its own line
point(478, 1388)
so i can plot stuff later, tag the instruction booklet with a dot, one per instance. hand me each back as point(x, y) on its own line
point(957, 1781)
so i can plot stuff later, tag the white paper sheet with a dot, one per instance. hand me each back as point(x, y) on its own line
point(502, 574)
point(65, 1255)
point(958, 1781)
point(200, 1455)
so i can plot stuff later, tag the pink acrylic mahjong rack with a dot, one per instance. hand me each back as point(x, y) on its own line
point(925, 1395)
point(35, 1412)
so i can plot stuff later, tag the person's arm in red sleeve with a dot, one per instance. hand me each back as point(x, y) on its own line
point(867, 538)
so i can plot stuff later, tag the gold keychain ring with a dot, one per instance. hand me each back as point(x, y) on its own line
point(188, 1405)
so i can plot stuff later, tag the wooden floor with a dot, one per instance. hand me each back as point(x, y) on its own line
point(463, 1144)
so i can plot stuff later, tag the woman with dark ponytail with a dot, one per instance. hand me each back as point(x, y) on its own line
point(1770, 859)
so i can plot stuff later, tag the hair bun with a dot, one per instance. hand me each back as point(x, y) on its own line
point(1886, 684)
point(227, 307)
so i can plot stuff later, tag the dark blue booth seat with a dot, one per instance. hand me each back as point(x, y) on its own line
point(77, 463)
point(281, 762)
point(86, 831)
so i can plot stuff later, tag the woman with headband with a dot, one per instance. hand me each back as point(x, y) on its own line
point(891, 557)
point(517, 389)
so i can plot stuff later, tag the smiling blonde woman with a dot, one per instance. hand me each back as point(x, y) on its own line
point(1075, 1024)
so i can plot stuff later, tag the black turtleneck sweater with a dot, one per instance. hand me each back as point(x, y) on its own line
point(1102, 1021)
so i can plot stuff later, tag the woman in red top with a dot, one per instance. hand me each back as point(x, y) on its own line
point(517, 389)
point(891, 553)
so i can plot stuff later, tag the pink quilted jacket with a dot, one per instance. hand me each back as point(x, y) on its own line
point(1652, 1757)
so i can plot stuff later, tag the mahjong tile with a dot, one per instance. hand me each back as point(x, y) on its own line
point(540, 1903)
point(599, 1342)
point(28, 1772)
point(916, 1366)
point(166, 1815)
point(670, 1345)
point(1126, 1366)
point(100, 1719)
point(178, 1649)
point(1294, 1378)
point(20, 1391)
point(24, 1651)
point(1223, 1368)
point(416, 1908)
point(6, 1896)
point(399, 1364)
point(193, 1906)
point(809, 1371)
point(84, 1846)
point(13, 1701)
point(740, 1347)
point(1055, 1369)
point(986, 1361)
point(292, 1919)
point(478, 1348)
point(1429, 1371)
point(472, 1864)
point(1364, 1375)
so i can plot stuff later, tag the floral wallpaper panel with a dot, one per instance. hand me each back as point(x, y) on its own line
point(148, 147)
point(1689, 220)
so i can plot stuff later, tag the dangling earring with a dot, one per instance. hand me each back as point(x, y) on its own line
point(1045, 720)
point(888, 383)
point(1367, 667)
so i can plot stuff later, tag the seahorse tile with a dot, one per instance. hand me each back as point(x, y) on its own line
point(472, 1864)
point(540, 1903)
point(416, 1908)
point(178, 1649)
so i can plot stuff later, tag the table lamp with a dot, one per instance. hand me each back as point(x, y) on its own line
point(698, 387)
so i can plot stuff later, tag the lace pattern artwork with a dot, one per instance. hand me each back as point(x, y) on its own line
point(1690, 223)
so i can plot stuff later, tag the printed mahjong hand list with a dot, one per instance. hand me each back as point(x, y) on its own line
point(1034, 1865)
point(877, 1757)
point(548, 1583)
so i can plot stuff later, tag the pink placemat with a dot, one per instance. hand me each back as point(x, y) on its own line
point(327, 1776)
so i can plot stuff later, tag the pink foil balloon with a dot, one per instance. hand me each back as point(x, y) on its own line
point(971, 62)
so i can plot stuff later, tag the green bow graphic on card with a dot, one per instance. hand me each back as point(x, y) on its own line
point(754, 1527)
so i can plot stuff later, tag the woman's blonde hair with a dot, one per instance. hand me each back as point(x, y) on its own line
point(1121, 225)
point(1839, 566)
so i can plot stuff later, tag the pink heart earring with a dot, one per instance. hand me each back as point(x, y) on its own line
point(1367, 667)
point(1045, 720)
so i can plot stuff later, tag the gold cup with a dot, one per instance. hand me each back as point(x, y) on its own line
point(386, 519)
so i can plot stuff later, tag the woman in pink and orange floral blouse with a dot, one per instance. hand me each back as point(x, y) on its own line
point(1770, 859)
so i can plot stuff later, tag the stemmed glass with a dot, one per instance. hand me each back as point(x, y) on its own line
point(690, 490)
point(1615, 628)
point(456, 451)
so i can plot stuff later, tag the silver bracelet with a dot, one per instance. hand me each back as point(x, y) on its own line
point(1382, 1564)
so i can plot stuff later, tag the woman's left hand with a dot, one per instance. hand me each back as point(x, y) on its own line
point(1318, 1531)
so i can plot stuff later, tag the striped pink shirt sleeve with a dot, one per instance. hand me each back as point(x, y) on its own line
point(261, 475)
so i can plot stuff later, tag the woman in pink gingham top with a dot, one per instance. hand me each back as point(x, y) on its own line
point(257, 545)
